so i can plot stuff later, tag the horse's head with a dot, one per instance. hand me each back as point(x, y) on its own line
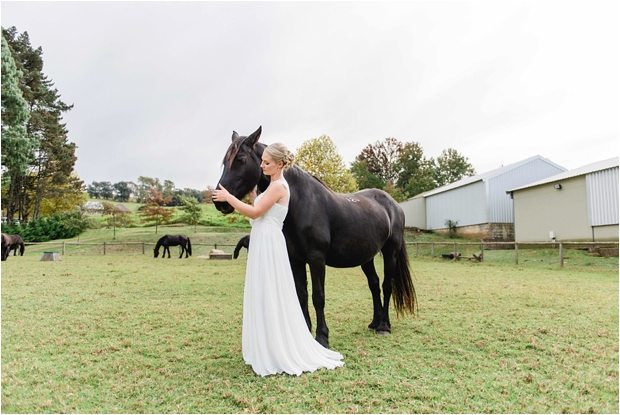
point(242, 168)
point(156, 251)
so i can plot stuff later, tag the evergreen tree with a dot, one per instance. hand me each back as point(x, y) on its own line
point(54, 156)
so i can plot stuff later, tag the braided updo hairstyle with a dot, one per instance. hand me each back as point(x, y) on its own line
point(280, 153)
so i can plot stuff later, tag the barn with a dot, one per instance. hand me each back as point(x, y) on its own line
point(577, 205)
point(478, 204)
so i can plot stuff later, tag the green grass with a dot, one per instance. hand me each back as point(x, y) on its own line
point(133, 334)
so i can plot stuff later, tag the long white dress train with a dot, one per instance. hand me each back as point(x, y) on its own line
point(275, 335)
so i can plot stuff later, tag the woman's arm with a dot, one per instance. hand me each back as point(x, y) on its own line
point(272, 195)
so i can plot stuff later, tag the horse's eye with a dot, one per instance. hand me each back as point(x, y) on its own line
point(241, 159)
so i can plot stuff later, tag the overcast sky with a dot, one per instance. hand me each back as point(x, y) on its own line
point(159, 87)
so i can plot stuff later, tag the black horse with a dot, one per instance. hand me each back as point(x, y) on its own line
point(243, 243)
point(11, 243)
point(325, 228)
point(173, 240)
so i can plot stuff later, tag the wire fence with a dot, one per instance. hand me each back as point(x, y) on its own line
point(473, 251)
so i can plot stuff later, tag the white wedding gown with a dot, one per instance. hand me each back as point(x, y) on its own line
point(275, 337)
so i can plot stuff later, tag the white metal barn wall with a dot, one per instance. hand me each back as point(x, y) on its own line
point(466, 204)
point(602, 190)
point(500, 204)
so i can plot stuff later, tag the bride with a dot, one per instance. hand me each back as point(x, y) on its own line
point(275, 337)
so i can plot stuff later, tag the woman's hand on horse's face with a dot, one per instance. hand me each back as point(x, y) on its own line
point(220, 195)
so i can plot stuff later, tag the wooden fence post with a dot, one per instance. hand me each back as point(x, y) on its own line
point(104, 248)
point(561, 255)
point(143, 248)
point(416, 249)
point(63, 247)
point(481, 250)
point(432, 250)
point(516, 253)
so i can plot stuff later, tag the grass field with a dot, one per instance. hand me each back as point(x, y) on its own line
point(132, 334)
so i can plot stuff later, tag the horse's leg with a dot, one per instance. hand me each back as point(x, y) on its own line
point(390, 256)
point(166, 248)
point(301, 285)
point(182, 249)
point(373, 284)
point(317, 272)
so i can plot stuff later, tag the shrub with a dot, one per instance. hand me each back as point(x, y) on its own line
point(58, 226)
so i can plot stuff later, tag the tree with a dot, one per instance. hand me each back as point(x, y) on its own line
point(364, 178)
point(319, 157)
point(192, 210)
point(208, 195)
point(415, 172)
point(17, 146)
point(144, 186)
point(381, 158)
point(451, 167)
point(94, 190)
point(155, 210)
point(106, 191)
point(63, 198)
point(122, 191)
point(54, 156)
point(116, 217)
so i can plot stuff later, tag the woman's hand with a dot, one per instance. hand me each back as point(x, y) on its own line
point(220, 195)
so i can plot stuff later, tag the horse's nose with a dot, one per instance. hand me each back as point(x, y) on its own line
point(224, 207)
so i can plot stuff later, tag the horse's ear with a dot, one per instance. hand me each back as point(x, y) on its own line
point(235, 136)
point(253, 138)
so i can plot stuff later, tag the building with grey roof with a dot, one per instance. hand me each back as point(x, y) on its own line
point(479, 204)
point(576, 205)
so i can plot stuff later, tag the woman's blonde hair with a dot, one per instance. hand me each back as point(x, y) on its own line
point(280, 153)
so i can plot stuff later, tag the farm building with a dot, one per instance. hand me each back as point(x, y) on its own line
point(577, 205)
point(479, 204)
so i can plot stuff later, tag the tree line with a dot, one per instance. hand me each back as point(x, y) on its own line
point(139, 192)
point(401, 169)
point(38, 177)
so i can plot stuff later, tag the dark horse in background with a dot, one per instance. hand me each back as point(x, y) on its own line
point(173, 240)
point(325, 228)
point(243, 243)
point(11, 243)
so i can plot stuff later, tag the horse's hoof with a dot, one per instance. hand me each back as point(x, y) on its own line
point(383, 332)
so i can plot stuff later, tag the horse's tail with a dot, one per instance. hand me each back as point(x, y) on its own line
point(189, 247)
point(22, 248)
point(403, 293)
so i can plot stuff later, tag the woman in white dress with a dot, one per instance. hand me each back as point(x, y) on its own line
point(275, 336)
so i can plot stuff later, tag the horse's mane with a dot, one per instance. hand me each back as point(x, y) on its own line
point(234, 148)
point(315, 178)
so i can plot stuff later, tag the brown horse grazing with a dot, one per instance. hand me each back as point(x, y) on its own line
point(6, 245)
point(12, 242)
point(17, 242)
point(173, 240)
point(243, 243)
point(326, 228)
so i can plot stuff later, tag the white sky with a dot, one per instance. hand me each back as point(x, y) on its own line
point(158, 87)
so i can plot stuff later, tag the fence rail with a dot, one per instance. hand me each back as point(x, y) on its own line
point(560, 246)
point(483, 245)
